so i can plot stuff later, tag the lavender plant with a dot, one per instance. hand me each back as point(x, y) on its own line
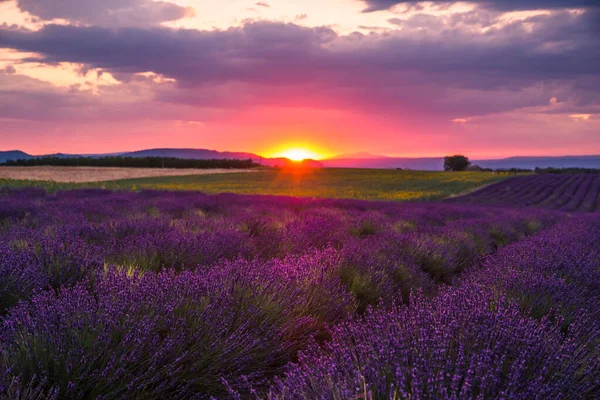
point(118, 295)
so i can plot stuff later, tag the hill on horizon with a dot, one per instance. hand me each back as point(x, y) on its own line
point(192, 154)
point(356, 160)
point(437, 163)
point(13, 155)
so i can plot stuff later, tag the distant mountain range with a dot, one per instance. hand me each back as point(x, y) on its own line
point(194, 154)
point(366, 160)
point(384, 162)
point(357, 160)
point(542, 162)
point(13, 155)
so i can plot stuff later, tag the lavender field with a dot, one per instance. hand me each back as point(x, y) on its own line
point(182, 295)
point(564, 192)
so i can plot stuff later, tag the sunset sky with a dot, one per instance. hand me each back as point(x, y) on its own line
point(488, 78)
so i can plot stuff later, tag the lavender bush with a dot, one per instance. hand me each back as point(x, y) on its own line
point(523, 326)
point(116, 295)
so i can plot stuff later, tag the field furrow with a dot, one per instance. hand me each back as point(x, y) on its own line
point(577, 199)
point(564, 192)
point(590, 202)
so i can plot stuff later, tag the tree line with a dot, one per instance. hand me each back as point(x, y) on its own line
point(132, 162)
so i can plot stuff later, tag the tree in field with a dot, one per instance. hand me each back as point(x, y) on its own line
point(456, 163)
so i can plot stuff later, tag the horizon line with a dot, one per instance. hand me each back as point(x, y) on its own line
point(341, 156)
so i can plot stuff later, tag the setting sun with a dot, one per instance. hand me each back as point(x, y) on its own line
point(299, 154)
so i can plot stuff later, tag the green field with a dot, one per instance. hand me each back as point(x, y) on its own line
point(367, 184)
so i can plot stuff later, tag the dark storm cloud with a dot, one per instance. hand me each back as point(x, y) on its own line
point(107, 12)
point(501, 5)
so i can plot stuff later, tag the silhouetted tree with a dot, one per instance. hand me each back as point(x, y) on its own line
point(456, 163)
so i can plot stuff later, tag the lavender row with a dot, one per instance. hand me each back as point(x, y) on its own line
point(562, 192)
point(182, 295)
point(524, 326)
point(52, 241)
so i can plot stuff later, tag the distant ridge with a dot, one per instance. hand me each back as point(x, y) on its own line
point(424, 164)
point(21, 155)
point(437, 163)
point(357, 156)
point(541, 162)
point(193, 154)
point(204, 154)
point(13, 155)
point(356, 160)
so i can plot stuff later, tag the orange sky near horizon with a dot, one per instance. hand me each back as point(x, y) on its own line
point(319, 76)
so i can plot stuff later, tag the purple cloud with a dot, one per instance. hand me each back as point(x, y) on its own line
point(107, 12)
point(558, 46)
point(501, 5)
point(441, 75)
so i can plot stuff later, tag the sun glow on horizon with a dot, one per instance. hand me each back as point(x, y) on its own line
point(298, 154)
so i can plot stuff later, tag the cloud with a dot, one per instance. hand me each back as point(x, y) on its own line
point(263, 4)
point(425, 72)
point(580, 117)
point(28, 99)
point(31, 99)
point(251, 53)
point(558, 46)
point(107, 12)
point(501, 5)
point(461, 120)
